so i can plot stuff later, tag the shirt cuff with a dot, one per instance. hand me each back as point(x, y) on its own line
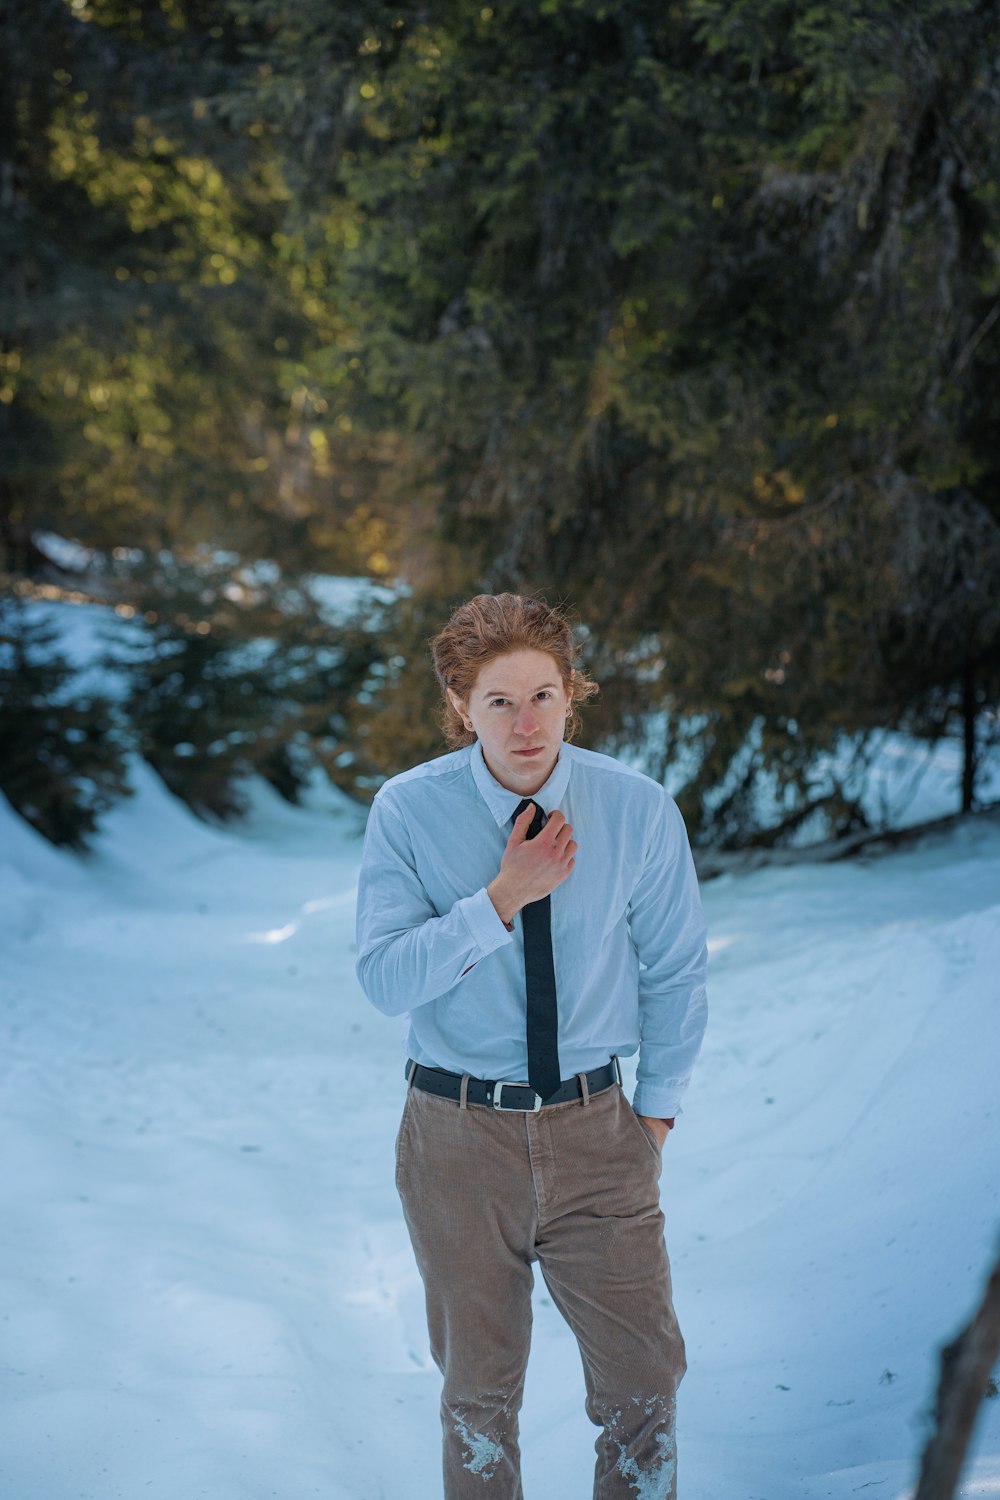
point(659, 1104)
point(484, 923)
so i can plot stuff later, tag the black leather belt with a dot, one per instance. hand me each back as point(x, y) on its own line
point(503, 1095)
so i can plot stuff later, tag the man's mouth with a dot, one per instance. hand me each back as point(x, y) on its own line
point(534, 750)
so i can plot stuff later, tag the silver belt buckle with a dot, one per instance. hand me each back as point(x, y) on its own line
point(507, 1084)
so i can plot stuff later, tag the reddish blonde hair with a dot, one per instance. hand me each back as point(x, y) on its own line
point(492, 625)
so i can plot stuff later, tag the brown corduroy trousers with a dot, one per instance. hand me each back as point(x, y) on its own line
point(487, 1192)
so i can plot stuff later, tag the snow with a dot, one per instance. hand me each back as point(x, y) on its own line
point(206, 1288)
point(340, 597)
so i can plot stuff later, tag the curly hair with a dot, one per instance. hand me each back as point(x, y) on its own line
point(492, 625)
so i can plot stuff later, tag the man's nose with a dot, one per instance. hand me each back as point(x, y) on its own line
point(525, 721)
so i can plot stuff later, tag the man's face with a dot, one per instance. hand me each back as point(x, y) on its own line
point(518, 707)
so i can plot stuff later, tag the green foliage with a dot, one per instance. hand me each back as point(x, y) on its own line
point(685, 315)
point(686, 312)
point(231, 671)
point(155, 306)
point(62, 759)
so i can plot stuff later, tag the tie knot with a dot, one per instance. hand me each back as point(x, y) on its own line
point(539, 820)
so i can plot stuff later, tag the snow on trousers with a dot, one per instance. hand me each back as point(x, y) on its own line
point(486, 1193)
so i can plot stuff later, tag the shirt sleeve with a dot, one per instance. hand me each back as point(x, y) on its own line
point(669, 932)
point(407, 954)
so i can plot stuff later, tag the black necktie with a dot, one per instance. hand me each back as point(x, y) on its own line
point(540, 981)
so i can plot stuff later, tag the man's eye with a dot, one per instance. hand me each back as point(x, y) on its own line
point(545, 694)
point(495, 701)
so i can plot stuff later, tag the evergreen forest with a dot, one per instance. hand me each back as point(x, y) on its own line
point(685, 316)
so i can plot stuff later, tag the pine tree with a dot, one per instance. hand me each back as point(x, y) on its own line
point(233, 670)
point(62, 753)
point(686, 313)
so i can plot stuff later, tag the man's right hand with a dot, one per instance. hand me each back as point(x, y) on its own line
point(532, 868)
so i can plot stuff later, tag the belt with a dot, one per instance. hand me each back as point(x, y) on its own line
point(504, 1095)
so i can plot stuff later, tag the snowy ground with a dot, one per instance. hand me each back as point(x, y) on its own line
point(206, 1288)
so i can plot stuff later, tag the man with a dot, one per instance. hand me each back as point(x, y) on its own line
point(533, 906)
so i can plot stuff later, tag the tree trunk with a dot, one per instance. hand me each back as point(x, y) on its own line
point(968, 734)
point(18, 552)
point(965, 1368)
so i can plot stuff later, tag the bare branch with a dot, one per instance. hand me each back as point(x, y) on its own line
point(965, 1368)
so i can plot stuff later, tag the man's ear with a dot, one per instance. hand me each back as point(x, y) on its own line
point(458, 705)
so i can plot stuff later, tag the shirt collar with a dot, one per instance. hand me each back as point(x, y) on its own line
point(502, 802)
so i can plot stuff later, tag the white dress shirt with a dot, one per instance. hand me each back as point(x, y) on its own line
point(628, 932)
